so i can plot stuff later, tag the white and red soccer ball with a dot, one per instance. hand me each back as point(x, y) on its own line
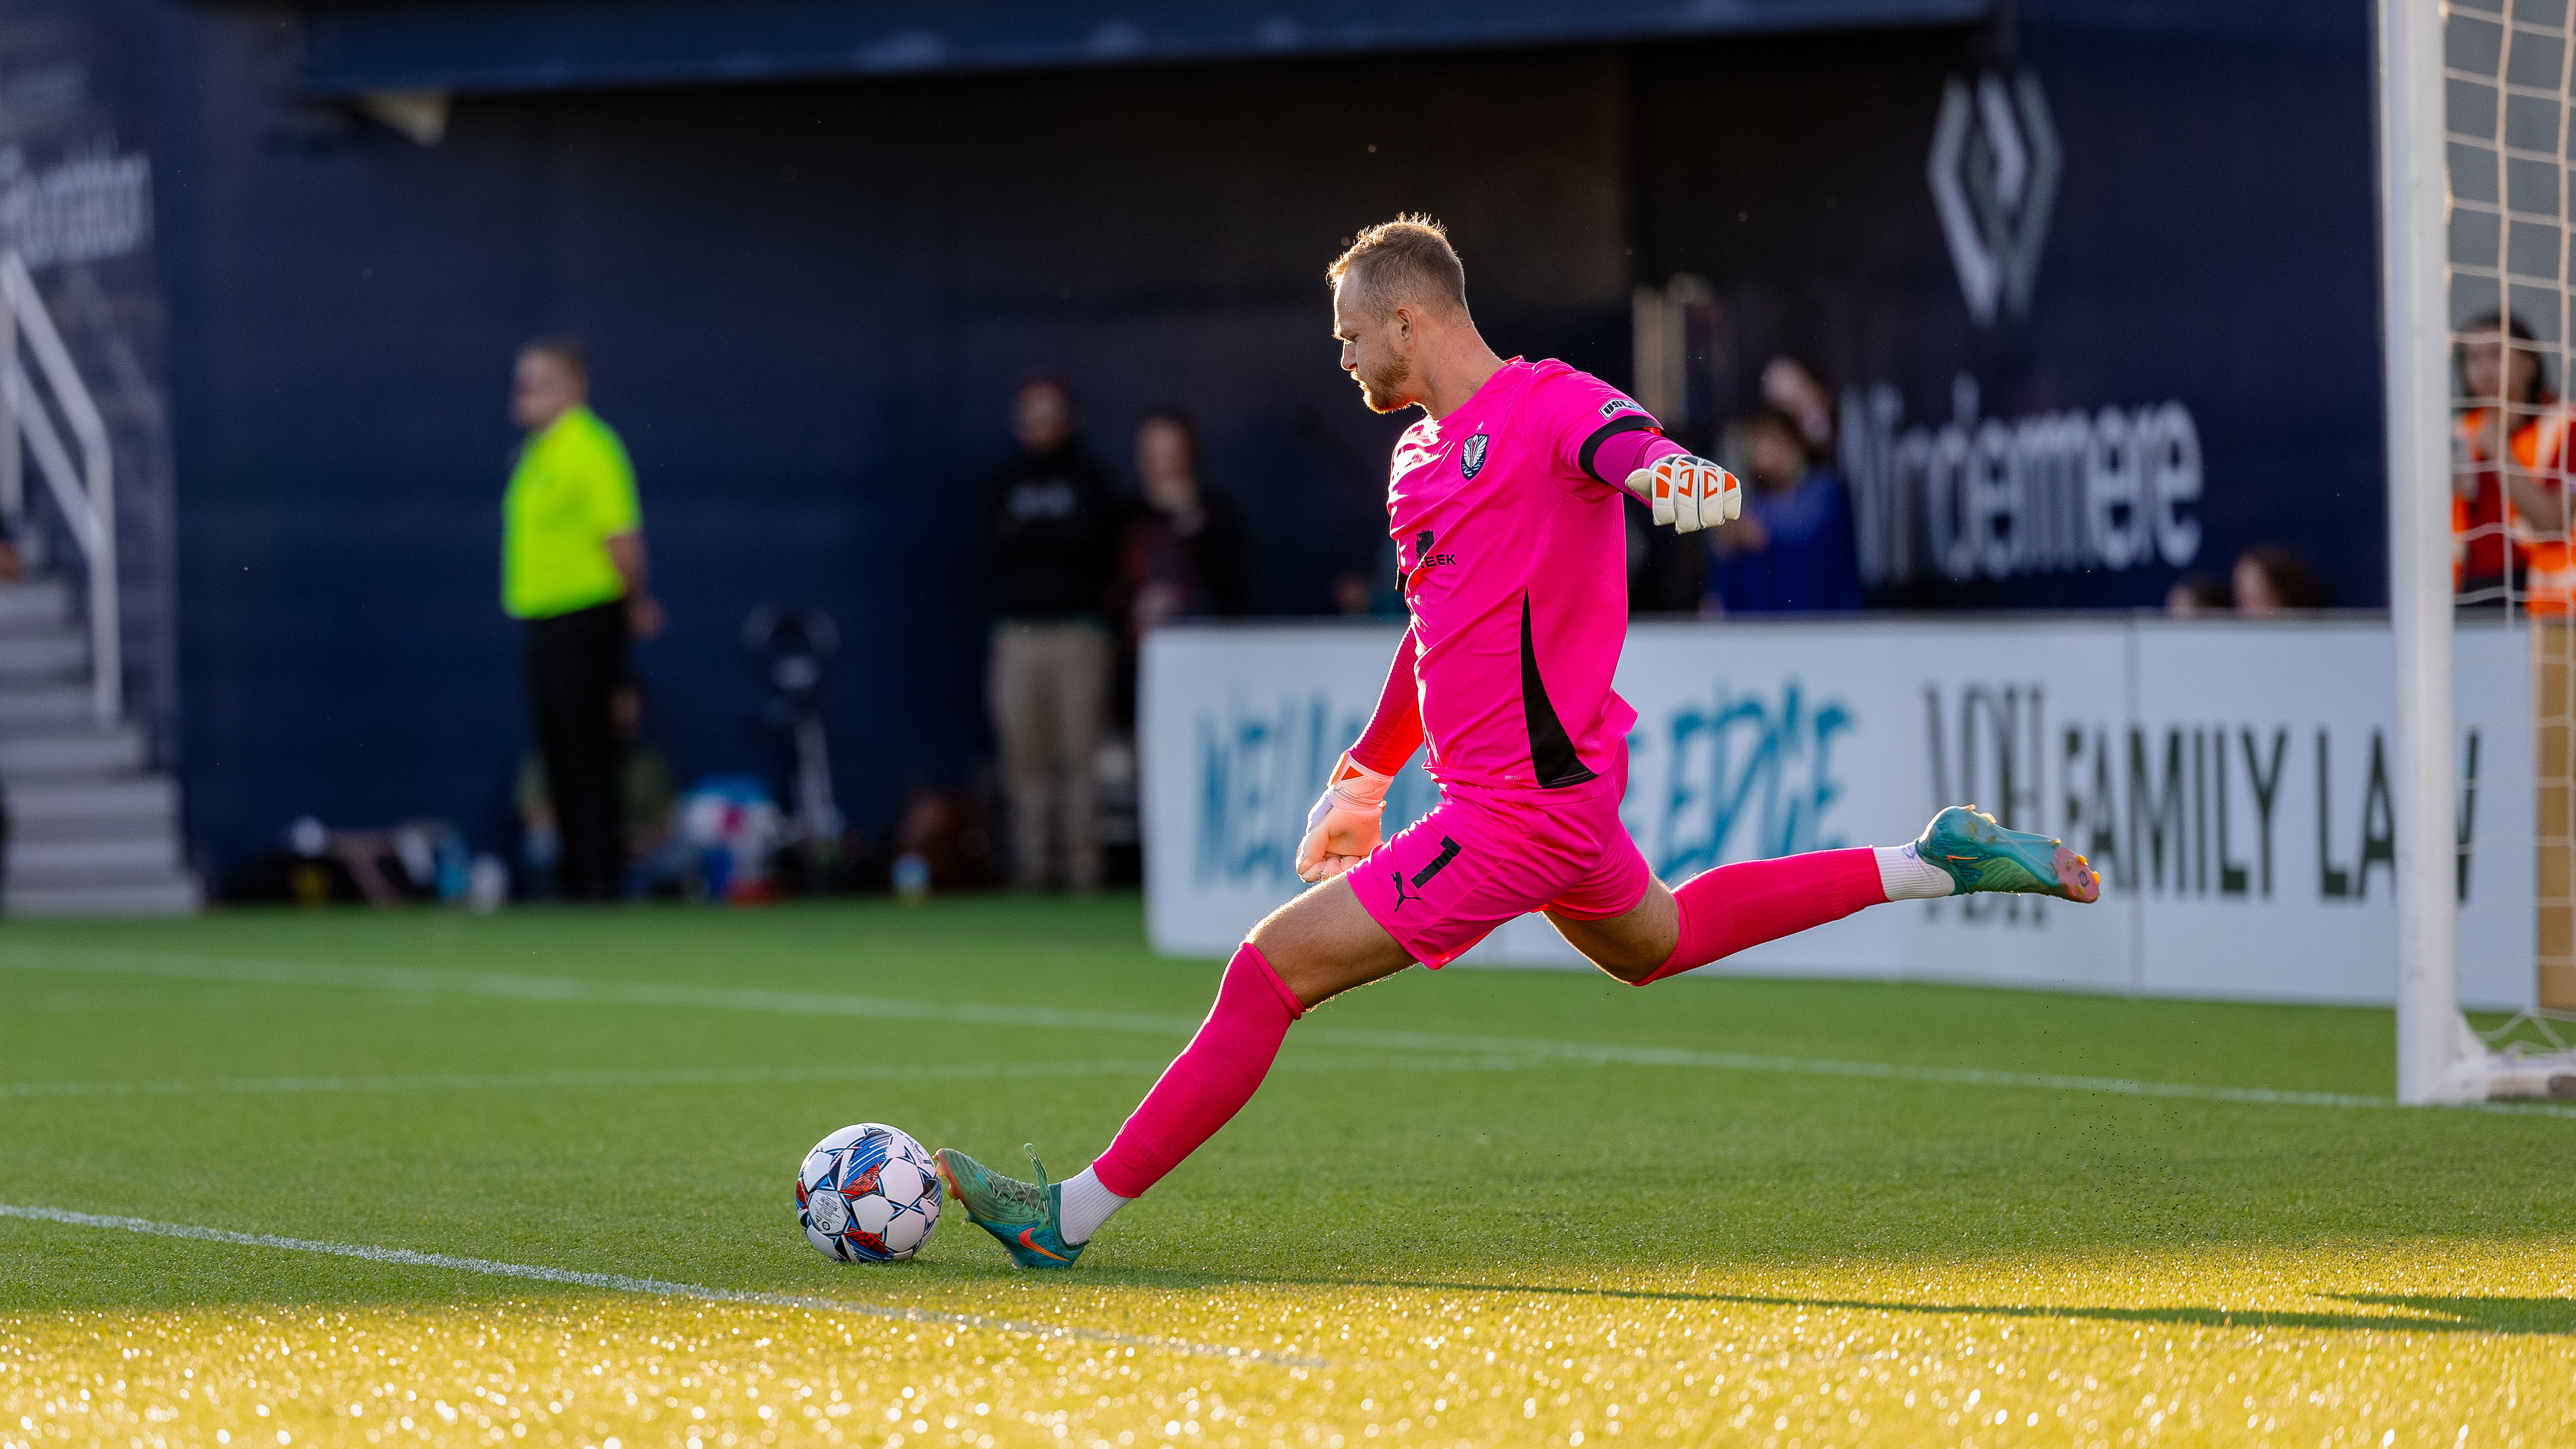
point(867, 1194)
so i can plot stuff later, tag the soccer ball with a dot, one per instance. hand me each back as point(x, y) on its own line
point(867, 1194)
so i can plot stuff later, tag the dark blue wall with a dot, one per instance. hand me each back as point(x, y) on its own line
point(356, 46)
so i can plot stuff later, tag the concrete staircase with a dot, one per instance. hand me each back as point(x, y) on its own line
point(91, 831)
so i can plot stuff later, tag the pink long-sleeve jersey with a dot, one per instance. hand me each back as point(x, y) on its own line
point(1509, 529)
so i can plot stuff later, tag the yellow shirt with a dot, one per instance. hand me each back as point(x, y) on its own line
point(572, 491)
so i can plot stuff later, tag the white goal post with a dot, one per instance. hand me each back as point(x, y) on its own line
point(2475, 152)
point(2415, 308)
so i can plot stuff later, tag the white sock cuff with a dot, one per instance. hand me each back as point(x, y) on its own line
point(1906, 876)
point(1086, 1205)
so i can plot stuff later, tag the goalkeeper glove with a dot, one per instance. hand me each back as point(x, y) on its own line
point(1343, 827)
point(1688, 493)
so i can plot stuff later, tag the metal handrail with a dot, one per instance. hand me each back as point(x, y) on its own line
point(86, 492)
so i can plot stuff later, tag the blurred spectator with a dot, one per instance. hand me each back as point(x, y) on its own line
point(2198, 596)
point(2271, 580)
point(1788, 384)
point(1188, 554)
point(1051, 518)
point(2509, 465)
point(1185, 554)
point(573, 567)
point(1793, 549)
point(1667, 571)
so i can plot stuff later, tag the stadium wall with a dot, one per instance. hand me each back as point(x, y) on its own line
point(807, 304)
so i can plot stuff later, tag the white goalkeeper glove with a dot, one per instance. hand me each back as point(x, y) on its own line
point(1343, 827)
point(1688, 493)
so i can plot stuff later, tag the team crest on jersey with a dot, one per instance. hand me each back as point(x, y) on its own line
point(1471, 458)
point(1617, 405)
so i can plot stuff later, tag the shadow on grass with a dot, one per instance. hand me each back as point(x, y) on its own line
point(2429, 1314)
point(2491, 1315)
point(89, 1275)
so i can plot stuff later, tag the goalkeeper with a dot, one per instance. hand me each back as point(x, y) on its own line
point(1504, 503)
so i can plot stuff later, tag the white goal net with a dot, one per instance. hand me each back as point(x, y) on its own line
point(2478, 136)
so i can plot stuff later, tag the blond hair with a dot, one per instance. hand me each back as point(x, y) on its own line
point(1407, 260)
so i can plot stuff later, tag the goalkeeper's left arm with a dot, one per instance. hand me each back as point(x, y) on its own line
point(1689, 493)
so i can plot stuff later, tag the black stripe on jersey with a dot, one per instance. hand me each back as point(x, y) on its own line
point(1624, 423)
point(1552, 756)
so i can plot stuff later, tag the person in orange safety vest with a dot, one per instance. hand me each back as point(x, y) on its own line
point(2510, 458)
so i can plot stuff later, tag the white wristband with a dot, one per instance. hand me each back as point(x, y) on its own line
point(1357, 785)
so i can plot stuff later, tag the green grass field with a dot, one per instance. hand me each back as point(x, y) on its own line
point(1476, 1207)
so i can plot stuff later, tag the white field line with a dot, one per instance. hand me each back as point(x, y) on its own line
point(723, 1076)
point(185, 966)
point(651, 1287)
point(191, 967)
point(531, 1081)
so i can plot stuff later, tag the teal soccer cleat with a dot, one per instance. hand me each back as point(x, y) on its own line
point(1024, 1217)
point(1980, 855)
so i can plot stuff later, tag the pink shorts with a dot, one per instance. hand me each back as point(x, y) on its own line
point(1488, 856)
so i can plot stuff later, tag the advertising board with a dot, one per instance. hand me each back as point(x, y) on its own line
point(2229, 778)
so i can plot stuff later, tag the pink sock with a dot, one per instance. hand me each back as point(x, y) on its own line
point(1209, 1081)
point(1735, 906)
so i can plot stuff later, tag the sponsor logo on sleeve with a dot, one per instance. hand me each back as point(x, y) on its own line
point(1617, 405)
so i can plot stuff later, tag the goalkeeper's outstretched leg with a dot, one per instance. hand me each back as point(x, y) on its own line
point(1427, 896)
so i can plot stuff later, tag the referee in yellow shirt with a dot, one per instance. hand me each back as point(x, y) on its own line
point(573, 568)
